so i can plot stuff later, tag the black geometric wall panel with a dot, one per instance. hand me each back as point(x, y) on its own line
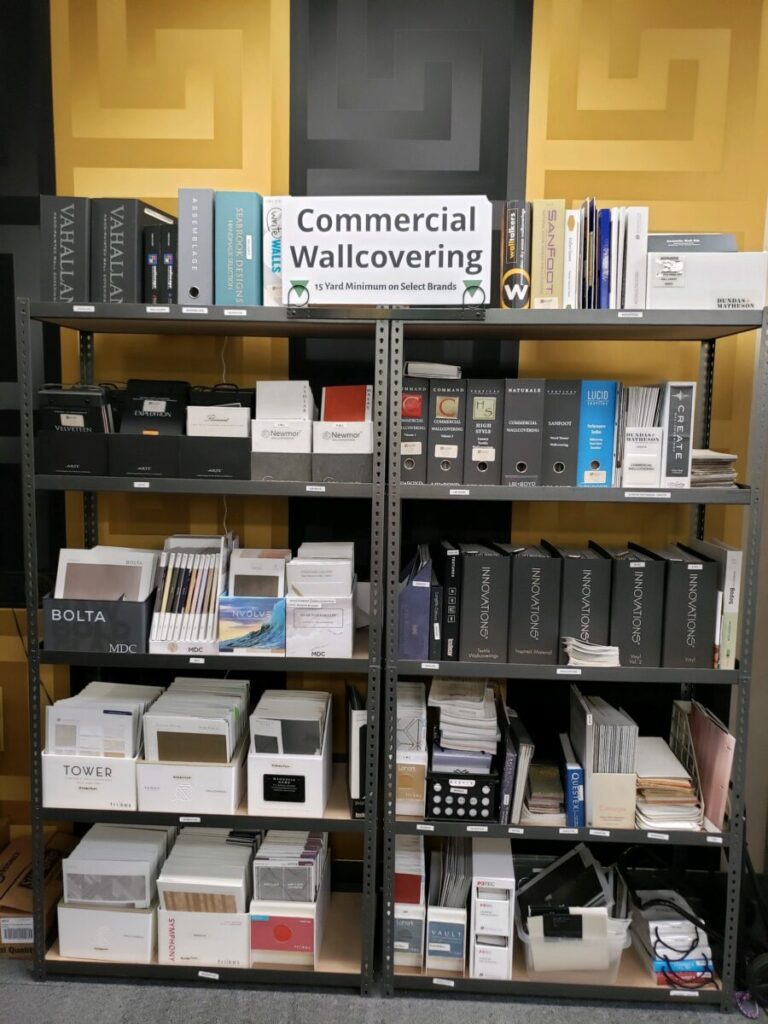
point(409, 96)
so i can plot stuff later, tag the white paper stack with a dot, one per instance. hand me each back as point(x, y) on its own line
point(615, 750)
point(289, 722)
point(103, 720)
point(206, 873)
point(590, 655)
point(440, 371)
point(288, 866)
point(667, 798)
point(467, 714)
point(197, 720)
point(115, 866)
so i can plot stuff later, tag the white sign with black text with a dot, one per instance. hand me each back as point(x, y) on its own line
point(382, 250)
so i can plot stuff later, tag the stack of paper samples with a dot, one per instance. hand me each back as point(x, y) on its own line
point(712, 469)
point(103, 720)
point(544, 798)
point(589, 655)
point(191, 576)
point(115, 866)
point(667, 798)
point(289, 722)
point(453, 869)
point(206, 873)
point(468, 718)
point(288, 866)
point(197, 720)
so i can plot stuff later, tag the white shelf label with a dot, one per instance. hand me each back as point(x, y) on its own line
point(158, 309)
point(690, 992)
point(421, 583)
point(197, 310)
point(197, 661)
point(459, 491)
point(187, 819)
point(235, 312)
point(630, 313)
point(599, 831)
point(448, 982)
point(477, 828)
point(432, 665)
point(83, 309)
point(423, 827)
point(663, 836)
point(141, 484)
point(718, 840)
point(654, 495)
point(210, 975)
point(515, 831)
point(568, 831)
point(568, 671)
point(316, 488)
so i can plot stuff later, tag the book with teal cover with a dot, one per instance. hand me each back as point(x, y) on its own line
point(252, 625)
point(237, 250)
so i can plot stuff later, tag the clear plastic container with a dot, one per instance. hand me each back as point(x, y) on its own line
point(566, 960)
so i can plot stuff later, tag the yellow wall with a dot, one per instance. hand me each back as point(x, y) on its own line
point(149, 98)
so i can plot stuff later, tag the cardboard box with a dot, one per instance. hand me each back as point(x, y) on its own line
point(206, 940)
point(281, 436)
point(144, 455)
point(215, 458)
point(706, 280)
point(319, 627)
point(252, 626)
point(71, 454)
point(290, 932)
point(192, 789)
point(291, 785)
point(342, 438)
point(411, 782)
point(409, 934)
point(98, 627)
point(218, 421)
point(89, 783)
point(16, 922)
point(281, 466)
point(123, 935)
point(341, 469)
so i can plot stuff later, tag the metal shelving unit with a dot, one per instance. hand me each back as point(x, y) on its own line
point(347, 955)
point(618, 327)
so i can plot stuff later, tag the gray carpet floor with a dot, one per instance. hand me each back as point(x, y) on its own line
point(25, 1001)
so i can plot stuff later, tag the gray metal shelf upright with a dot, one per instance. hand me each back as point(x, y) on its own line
point(618, 327)
point(338, 966)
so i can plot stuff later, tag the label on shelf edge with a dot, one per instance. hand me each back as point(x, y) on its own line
point(459, 491)
point(599, 831)
point(212, 975)
point(235, 312)
point(647, 494)
point(422, 826)
point(83, 309)
point(189, 819)
point(684, 992)
point(477, 828)
point(568, 831)
point(515, 830)
point(633, 313)
point(568, 671)
point(319, 488)
point(715, 839)
point(158, 309)
point(202, 310)
point(197, 661)
point(434, 665)
point(141, 484)
point(448, 982)
point(658, 835)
